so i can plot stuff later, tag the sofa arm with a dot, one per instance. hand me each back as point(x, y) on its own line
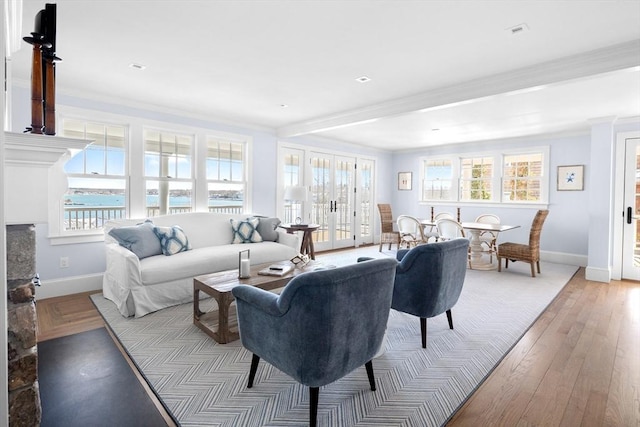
point(292, 240)
point(123, 266)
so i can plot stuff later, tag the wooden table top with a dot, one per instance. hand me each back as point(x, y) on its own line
point(224, 281)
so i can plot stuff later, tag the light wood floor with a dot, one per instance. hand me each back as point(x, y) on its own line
point(578, 365)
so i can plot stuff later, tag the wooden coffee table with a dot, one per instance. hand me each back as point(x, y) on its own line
point(219, 286)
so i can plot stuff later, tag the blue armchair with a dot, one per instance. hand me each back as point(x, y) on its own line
point(322, 326)
point(429, 280)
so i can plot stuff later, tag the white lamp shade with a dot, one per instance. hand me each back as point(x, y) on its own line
point(296, 193)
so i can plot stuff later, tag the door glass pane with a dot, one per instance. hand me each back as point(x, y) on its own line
point(636, 245)
point(292, 176)
point(365, 189)
point(321, 195)
point(343, 199)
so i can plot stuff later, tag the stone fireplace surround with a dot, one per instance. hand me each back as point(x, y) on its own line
point(36, 183)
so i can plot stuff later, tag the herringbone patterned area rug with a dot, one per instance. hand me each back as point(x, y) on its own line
point(203, 383)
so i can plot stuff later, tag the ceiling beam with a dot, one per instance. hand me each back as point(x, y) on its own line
point(614, 58)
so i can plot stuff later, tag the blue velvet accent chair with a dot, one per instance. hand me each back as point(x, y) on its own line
point(323, 325)
point(429, 280)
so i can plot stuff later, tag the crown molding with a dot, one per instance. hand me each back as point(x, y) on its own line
point(614, 58)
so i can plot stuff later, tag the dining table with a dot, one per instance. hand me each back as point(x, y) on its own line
point(477, 260)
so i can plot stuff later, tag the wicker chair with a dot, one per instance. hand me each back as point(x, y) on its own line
point(528, 253)
point(387, 234)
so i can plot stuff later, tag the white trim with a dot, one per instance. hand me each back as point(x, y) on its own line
point(618, 201)
point(598, 274)
point(69, 286)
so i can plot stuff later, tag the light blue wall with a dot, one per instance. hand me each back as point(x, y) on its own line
point(566, 228)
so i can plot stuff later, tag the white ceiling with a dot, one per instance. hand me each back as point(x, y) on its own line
point(447, 65)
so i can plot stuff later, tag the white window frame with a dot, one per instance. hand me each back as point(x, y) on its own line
point(136, 184)
point(497, 198)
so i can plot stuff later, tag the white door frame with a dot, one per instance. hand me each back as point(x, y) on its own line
point(618, 203)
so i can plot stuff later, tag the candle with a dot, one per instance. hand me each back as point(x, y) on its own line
point(245, 268)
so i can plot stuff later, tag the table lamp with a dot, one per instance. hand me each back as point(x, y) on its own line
point(296, 193)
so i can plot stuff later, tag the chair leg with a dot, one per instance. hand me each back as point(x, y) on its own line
point(254, 367)
point(372, 380)
point(423, 331)
point(538, 265)
point(380, 249)
point(499, 263)
point(533, 269)
point(313, 406)
point(450, 319)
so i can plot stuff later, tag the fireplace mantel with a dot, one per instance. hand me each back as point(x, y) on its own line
point(34, 173)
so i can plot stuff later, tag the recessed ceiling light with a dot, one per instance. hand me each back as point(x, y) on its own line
point(518, 29)
point(137, 66)
point(363, 79)
point(284, 106)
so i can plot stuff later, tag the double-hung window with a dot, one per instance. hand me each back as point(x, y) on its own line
point(168, 171)
point(507, 177)
point(226, 182)
point(476, 176)
point(96, 175)
point(522, 177)
point(438, 182)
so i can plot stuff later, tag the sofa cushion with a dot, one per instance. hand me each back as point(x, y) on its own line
point(245, 231)
point(139, 239)
point(267, 228)
point(172, 239)
point(160, 269)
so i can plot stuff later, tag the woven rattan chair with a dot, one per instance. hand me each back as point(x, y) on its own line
point(528, 253)
point(387, 234)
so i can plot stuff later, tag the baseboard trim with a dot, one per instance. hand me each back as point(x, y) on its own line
point(598, 274)
point(69, 286)
point(563, 258)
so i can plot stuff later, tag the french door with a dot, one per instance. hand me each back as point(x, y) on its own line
point(631, 228)
point(333, 200)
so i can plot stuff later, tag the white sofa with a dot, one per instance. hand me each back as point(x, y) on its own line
point(141, 286)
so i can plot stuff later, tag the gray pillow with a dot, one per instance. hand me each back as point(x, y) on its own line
point(139, 239)
point(267, 229)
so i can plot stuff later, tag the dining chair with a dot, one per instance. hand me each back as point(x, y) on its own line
point(387, 233)
point(489, 238)
point(520, 252)
point(450, 229)
point(411, 231)
point(323, 325)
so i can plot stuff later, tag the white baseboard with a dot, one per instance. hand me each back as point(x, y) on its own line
point(598, 274)
point(69, 285)
point(563, 258)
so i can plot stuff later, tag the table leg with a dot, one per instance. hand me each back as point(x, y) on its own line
point(223, 334)
point(307, 244)
point(477, 260)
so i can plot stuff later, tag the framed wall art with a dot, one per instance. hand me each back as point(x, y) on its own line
point(571, 178)
point(404, 180)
